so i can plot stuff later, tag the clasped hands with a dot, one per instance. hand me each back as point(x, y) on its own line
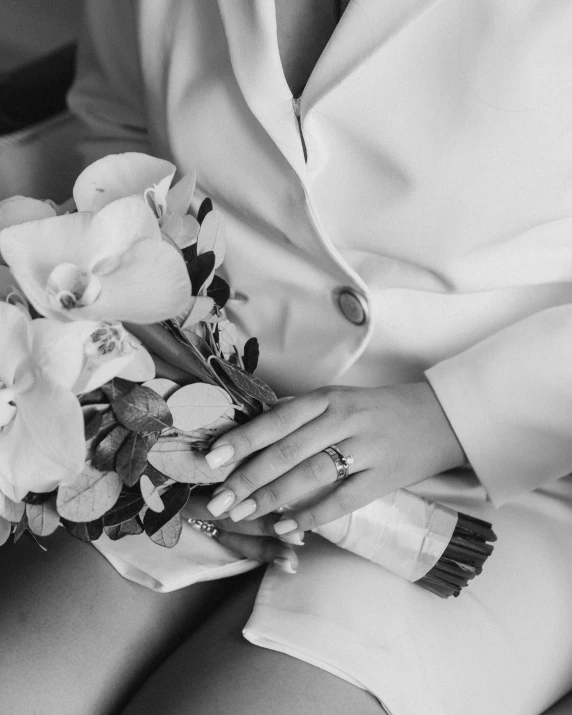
point(397, 435)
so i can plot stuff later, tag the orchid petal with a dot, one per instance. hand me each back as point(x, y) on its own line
point(19, 209)
point(119, 175)
point(180, 195)
point(45, 444)
point(59, 348)
point(95, 375)
point(150, 284)
point(141, 368)
point(191, 228)
point(172, 228)
point(117, 227)
point(15, 341)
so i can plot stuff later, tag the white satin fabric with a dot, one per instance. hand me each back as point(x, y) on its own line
point(439, 187)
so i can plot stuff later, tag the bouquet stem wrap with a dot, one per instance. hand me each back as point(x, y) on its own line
point(412, 537)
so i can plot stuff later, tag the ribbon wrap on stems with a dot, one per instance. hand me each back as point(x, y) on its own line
point(402, 532)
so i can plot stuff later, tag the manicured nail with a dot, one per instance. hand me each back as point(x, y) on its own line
point(218, 490)
point(285, 526)
point(243, 510)
point(285, 565)
point(219, 456)
point(221, 502)
point(293, 538)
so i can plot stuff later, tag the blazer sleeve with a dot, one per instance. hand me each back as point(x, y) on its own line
point(509, 400)
point(108, 95)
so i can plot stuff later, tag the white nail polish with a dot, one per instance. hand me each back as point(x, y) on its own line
point(285, 526)
point(295, 539)
point(221, 502)
point(219, 456)
point(284, 564)
point(243, 510)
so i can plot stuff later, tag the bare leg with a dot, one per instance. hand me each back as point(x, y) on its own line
point(216, 671)
point(78, 639)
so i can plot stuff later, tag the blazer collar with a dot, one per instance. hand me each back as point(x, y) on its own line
point(366, 28)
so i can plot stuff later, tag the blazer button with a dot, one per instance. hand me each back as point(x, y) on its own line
point(352, 305)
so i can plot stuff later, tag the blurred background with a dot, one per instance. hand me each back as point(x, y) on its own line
point(30, 28)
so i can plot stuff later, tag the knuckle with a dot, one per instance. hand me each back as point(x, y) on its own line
point(288, 452)
point(278, 418)
point(268, 497)
point(315, 472)
point(242, 481)
point(244, 442)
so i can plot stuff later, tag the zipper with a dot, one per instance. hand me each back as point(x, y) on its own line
point(296, 103)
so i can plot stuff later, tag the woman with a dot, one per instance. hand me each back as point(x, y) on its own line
point(397, 193)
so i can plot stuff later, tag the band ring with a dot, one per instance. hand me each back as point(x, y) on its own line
point(341, 462)
point(207, 527)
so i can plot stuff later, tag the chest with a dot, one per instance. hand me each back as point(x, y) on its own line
point(304, 28)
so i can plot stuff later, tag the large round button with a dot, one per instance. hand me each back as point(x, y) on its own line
point(352, 305)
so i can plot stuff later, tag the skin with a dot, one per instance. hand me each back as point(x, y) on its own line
point(397, 435)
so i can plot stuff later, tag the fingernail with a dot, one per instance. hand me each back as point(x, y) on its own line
point(285, 526)
point(219, 456)
point(293, 538)
point(218, 490)
point(221, 502)
point(243, 510)
point(285, 565)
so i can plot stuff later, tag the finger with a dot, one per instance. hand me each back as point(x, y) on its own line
point(351, 494)
point(281, 419)
point(312, 474)
point(278, 459)
point(196, 509)
point(265, 550)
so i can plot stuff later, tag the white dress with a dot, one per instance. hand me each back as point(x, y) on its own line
point(437, 195)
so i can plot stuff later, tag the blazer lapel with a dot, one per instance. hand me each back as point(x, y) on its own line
point(250, 28)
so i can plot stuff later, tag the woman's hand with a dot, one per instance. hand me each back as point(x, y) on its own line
point(397, 436)
point(254, 539)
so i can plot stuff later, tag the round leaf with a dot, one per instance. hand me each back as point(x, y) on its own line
point(163, 387)
point(173, 456)
point(195, 406)
point(43, 519)
point(151, 494)
point(11, 510)
point(5, 529)
point(169, 534)
point(89, 496)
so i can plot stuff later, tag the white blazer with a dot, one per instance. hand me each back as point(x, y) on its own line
point(430, 230)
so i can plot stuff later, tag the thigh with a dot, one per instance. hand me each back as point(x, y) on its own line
point(217, 671)
point(77, 638)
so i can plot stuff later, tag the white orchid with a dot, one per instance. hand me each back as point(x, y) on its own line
point(120, 175)
point(109, 265)
point(41, 423)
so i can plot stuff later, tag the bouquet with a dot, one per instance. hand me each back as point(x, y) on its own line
point(119, 369)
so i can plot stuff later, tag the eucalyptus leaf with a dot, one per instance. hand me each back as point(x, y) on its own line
point(89, 496)
point(247, 383)
point(174, 499)
point(251, 355)
point(168, 535)
point(151, 494)
point(212, 236)
point(95, 397)
point(131, 459)
point(204, 209)
point(219, 291)
point(141, 410)
point(107, 450)
point(125, 508)
point(93, 425)
point(43, 519)
point(195, 406)
point(5, 530)
point(21, 527)
point(11, 510)
point(173, 456)
point(200, 270)
point(133, 527)
point(157, 477)
point(84, 531)
point(37, 497)
point(163, 387)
